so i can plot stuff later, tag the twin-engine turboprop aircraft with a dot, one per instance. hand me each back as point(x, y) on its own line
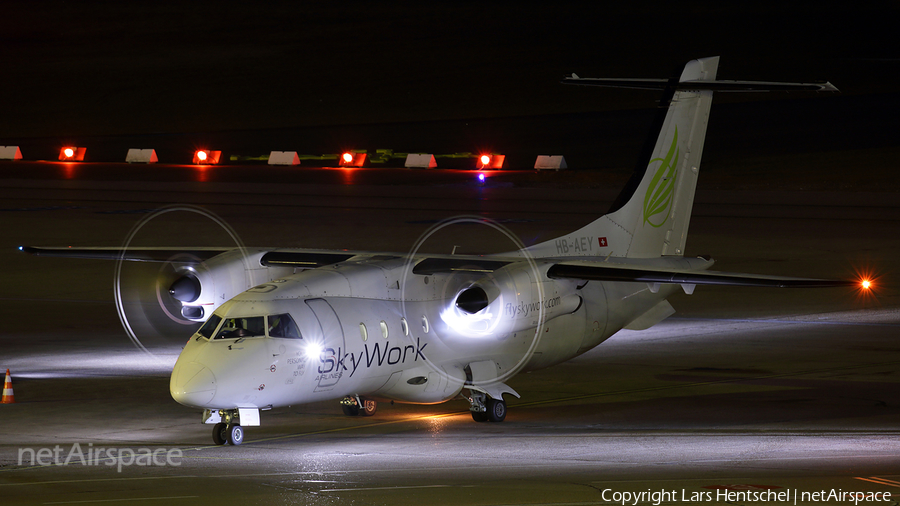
point(288, 326)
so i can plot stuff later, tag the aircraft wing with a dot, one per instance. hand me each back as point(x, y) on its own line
point(117, 253)
point(431, 264)
point(600, 271)
point(309, 259)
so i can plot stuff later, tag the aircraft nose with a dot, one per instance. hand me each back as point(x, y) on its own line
point(192, 384)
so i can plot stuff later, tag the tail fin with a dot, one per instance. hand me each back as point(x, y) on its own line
point(651, 216)
point(655, 209)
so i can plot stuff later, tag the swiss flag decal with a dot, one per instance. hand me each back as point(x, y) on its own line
point(603, 242)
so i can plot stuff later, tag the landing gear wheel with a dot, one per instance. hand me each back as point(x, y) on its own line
point(368, 407)
point(350, 409)
point(220, 437)
point(496, 410)
point(235, 434)
point(479, 416)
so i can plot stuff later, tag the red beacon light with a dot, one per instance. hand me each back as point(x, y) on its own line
point(491, 161)
point(352, 159)
point(206, 157)
point(72, 154)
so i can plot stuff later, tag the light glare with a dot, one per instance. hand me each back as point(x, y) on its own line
point(201, 155)
point(348, 157)
point(313, 351)
point(69, 152)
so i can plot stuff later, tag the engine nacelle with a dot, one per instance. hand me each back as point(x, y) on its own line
point(507, 301)
point(205, 286)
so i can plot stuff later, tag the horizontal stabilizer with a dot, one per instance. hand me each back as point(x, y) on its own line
point(629, 273)
point(692, 85)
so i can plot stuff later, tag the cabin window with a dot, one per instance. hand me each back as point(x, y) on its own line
point(232, 328)
point(210, 326)
point(384, 329)
point(362, 331)
point(282, 325)
point(404, 326)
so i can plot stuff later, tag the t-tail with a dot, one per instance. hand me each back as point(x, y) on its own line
point(650, 218)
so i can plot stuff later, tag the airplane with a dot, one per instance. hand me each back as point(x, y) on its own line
point(284, 327)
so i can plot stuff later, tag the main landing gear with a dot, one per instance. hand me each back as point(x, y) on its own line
point(354, 405)
point(486, 409)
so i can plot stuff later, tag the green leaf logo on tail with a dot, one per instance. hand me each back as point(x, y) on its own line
point(662, 187)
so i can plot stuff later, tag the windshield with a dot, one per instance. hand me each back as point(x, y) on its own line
point(282, 325)
point(210, 326)
point(279, 325)
point(242, 327)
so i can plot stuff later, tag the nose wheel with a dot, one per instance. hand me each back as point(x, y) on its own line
point(232, 434)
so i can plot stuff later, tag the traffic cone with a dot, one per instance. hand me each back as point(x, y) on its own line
point(8, 397)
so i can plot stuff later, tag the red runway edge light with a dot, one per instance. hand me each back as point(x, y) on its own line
point(352, 159)
point(490, 161)
point(206, 157)
point(72, 154)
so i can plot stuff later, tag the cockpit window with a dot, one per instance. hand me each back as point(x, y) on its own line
point(253, 326)
point(210, 326)
point(282, 325)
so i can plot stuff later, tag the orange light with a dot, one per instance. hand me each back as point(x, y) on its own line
point(866, 284)
point(69, 152)
point(347, 157)
point(201, 155)
point(485, 159)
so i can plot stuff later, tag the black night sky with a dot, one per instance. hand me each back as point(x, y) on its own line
point(75, 69)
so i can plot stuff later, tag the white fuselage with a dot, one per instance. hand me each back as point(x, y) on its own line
point(378, 333)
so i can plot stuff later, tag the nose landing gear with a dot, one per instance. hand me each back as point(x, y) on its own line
point(232, 434)
point(228, 428)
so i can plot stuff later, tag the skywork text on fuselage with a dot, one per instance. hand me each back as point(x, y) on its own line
point(334, 362)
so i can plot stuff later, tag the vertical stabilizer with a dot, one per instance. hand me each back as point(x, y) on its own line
point(659, 212)
point(653, 219)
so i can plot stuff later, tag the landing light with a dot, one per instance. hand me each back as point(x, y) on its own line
point(313, 351)
point(347, 157)
point(866, 284)
point(69, 152)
